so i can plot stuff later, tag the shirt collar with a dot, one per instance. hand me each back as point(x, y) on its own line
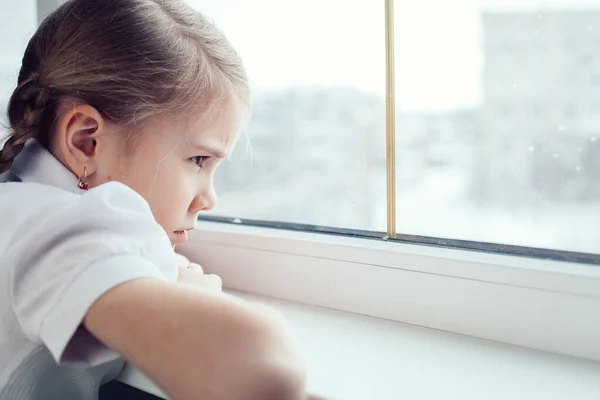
point(36, 164)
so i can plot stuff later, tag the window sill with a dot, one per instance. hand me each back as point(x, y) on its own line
point(541, 304)
point(354, 357)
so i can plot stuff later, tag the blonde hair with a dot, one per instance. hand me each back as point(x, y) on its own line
point(130, 59)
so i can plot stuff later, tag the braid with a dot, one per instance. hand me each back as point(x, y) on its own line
point(26, 112)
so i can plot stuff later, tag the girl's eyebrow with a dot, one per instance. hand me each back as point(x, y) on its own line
point(211, 151)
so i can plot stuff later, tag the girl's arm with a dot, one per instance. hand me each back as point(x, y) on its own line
point(198, 345)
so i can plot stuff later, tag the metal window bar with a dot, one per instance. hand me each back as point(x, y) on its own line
point(390, 142)
point(494, 248)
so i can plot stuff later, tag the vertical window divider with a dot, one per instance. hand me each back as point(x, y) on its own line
point(390, 143)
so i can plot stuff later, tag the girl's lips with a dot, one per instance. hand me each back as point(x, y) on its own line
point(179, 237)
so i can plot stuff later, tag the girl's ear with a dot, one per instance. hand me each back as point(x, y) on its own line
point(78, 131)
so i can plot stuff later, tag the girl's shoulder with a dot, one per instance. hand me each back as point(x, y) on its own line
point(61, 250)
point(111, 212)
point(113, 196)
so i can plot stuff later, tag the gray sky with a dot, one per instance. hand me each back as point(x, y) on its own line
point(337, 42)
point(438, 53)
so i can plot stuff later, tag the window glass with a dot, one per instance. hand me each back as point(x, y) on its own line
point(498, 129)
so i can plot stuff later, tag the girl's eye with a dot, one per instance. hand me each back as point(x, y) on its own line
point(199, 160)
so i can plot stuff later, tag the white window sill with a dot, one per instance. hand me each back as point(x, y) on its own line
point(540, 304)
point(355, 357)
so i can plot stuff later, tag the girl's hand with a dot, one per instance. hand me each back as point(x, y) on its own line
point(192, 274)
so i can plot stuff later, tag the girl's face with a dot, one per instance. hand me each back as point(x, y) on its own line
point(171, 163)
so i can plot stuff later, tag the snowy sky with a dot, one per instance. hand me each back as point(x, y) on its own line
point(438, 52)
point(339, 42)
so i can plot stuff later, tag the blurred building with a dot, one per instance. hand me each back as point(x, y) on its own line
point(307, 145)
point(541, 108)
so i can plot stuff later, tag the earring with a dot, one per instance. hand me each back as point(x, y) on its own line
point(83, 184)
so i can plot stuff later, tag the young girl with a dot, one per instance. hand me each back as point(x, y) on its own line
point(122, 113)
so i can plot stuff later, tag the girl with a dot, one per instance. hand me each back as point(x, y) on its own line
point(122, 113)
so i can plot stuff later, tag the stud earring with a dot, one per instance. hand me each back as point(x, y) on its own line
point(83, 184)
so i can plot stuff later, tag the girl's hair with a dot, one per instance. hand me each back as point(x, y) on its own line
point(129, 59)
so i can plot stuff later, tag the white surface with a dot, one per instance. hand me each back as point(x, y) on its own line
point(353, 357)
point(541, 304)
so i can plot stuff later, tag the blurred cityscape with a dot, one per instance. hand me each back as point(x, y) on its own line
point(521, 165)
point(521, 168)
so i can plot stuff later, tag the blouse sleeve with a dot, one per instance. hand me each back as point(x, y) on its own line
point(78, 248)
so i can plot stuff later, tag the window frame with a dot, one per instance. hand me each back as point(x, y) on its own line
point(435, 241)
point(542, 304)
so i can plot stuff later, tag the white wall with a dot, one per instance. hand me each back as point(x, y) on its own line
point(18, 20)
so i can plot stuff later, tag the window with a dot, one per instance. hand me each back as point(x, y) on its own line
point(474, 162)
point(17, 23)
point(522, 180)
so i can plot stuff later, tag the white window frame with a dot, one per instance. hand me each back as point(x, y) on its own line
point(542, 304)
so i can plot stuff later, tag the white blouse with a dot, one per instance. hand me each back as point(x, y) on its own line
point(60, 250)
